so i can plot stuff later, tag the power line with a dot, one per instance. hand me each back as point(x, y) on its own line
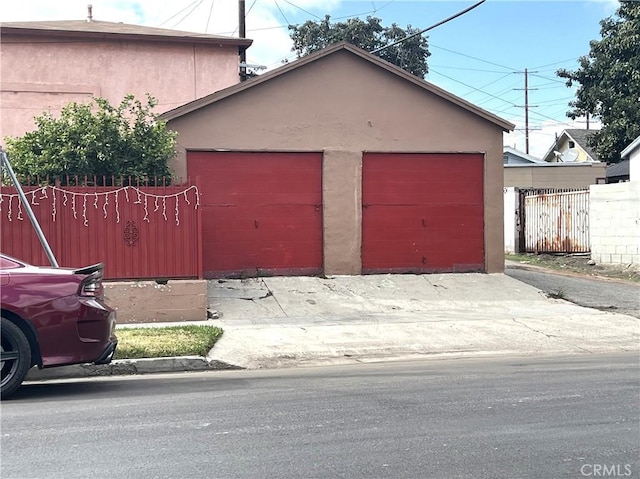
point(472, 57)
point(556, 63)
point(176, 14)
point(209, 17)
point(442, 22)
point(281, 12)
point(494, 81)
point(302, 9)
point(468, 69)
point(474, 88)
point(550, 79)
point(188, 14)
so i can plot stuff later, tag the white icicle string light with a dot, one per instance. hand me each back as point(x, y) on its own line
point(84, 211)
point(146, 209)
point(53, 205)
point(117, 209)
point(73, 206)
point(141, 198)
point(104, 206)
point(33, 198)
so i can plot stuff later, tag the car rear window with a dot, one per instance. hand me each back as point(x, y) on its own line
point(6, 263)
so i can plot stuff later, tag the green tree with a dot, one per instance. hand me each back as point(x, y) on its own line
point(410, 55)
point(609, 82)
point(96, 139)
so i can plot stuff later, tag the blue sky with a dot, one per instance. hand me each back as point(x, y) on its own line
point(480, 56)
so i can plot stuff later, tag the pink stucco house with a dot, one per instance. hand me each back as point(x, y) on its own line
point(45, 65)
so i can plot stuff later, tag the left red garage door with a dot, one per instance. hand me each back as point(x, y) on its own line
point(261, 212)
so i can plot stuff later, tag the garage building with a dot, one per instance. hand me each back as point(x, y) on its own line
point(342, 163)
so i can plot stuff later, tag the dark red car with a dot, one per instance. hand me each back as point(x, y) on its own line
point(52, 317)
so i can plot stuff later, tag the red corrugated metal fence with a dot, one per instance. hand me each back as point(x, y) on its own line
point(138, 232)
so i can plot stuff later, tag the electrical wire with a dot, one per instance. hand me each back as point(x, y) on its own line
point(206, 28)
point(471, 57)
point(302, 9)
point(281, 12)
point(442, 22)
point(188, 14)
point(474, 88)
point(176, 14)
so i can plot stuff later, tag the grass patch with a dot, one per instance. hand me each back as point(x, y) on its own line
point(135, 343)
point(558, 294)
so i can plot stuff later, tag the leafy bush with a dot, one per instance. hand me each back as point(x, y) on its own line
point(96, 140)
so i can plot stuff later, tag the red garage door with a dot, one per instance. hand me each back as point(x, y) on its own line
point(422, 213)
point(261, 213)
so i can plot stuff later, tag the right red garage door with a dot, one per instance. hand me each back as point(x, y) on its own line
point(422, 213)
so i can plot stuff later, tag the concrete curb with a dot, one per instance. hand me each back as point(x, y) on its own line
point(124, 367)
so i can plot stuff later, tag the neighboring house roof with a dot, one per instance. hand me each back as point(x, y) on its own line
point(579, 137)
point(635, 144)
point(618, 170)
point(83, 29)
point(341, 46)
point(526, 158)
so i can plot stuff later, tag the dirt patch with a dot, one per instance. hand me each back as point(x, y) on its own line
point(578, 263)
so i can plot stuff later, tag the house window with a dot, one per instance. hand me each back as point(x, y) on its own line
point(572, 144)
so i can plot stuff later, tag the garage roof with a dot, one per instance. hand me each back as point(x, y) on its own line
point(342, 46)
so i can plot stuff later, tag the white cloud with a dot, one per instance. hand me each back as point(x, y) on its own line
point(265, 22)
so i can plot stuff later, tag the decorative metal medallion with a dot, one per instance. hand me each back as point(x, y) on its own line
point(130, 233)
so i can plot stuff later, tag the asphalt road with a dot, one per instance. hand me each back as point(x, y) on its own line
point(605, 294)
point(476, 418)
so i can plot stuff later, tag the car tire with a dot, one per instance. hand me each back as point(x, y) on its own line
point(15, 358)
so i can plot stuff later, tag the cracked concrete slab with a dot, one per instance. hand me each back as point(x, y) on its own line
point(310, 320)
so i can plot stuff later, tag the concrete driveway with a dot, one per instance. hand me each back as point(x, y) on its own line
point(286, 321)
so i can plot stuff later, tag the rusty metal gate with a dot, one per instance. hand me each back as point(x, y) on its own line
point(556, 222)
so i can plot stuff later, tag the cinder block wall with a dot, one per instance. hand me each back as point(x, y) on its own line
point(614, 222)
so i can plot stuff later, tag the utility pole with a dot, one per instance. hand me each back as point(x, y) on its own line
point(242, 29)
point(526, 107)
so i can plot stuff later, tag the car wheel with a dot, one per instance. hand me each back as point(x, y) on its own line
point(15, 357)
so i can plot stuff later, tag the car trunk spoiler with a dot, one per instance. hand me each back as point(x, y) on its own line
point(90, 269)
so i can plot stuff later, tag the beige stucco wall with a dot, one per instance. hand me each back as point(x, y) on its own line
point(555, 175)
point(344, 105)
point(38, 75)
point(150, 302)
point(342, 214)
